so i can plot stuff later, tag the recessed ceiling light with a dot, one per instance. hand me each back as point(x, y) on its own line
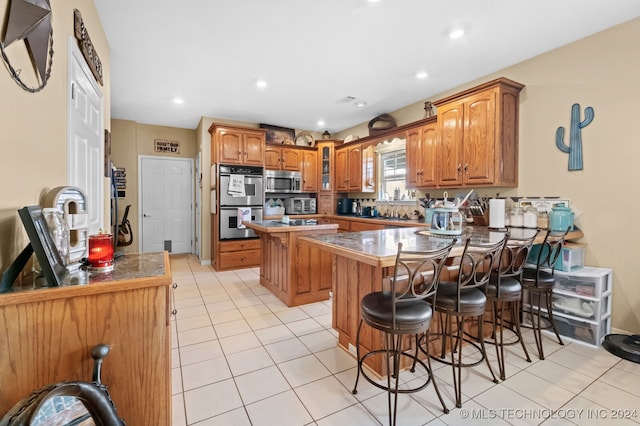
point(422, 74)
point(178, 100)
point(456, 33)
point(373, 1)
point(261, 83)
point(320, 123)
point(360, 104)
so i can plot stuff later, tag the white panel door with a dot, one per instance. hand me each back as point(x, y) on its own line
point(86, 138)
point(166, 193)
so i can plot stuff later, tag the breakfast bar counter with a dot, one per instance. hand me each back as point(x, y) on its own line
point(362, 259)
point(296, 274)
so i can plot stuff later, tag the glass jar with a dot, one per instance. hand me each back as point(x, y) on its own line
point(530, 217)
point(543, 220)
point(59, 231)
point(516, 218)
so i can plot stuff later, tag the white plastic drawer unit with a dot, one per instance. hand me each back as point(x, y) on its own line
point(582, 304)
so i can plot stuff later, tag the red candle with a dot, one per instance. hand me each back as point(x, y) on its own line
point(101, 250)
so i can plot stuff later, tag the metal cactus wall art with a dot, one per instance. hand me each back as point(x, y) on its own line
point(575, 137)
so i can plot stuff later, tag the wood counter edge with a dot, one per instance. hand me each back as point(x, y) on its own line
point(293, 228)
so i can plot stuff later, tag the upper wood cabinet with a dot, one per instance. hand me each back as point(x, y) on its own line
point(309, 171)
point(349, 168)
point(478, 136)
point(421, 156)
point(237, 145)
point(326, 165)
point(278, 157)
point(368, 168)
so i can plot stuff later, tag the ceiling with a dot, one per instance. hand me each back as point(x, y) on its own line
point(317, 55)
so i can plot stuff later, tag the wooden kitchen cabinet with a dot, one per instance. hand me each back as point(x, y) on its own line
point(309, 171)
point(478, 136)
point(368, 168)
point(237, 254)
point(349, 170)
point(48, 334)
point(326, 203)
point(326, 165)
point(278, 157)
point(421, 156)
point(237, 145)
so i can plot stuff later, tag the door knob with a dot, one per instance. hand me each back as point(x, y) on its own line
point(146, 215)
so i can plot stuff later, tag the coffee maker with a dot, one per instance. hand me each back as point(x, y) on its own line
point(344, 205)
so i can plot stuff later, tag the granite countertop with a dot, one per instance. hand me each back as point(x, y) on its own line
point(380, 247)
point(294, 225)
point(126, 268)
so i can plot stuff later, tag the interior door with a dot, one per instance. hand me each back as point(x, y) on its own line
point(86, 138)
point(166, 201)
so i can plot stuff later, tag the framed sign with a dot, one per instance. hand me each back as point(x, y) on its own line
point(42, 243)
point(163, 145)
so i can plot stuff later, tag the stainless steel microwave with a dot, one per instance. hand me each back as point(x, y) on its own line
point(277, 181)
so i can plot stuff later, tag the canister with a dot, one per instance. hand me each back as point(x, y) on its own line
point(561, 218)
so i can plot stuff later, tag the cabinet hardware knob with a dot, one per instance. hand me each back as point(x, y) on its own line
point(466, 168)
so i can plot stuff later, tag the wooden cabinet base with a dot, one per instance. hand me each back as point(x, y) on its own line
point(236, 254)
point(296, 272)
point(47, 336)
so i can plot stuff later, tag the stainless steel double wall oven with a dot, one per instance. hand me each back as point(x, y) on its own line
point(253, 198)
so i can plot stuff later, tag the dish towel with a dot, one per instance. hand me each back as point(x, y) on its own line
point(244, 216)
point(236, 186)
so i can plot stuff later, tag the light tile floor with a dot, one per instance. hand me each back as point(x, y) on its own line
point(242, 357)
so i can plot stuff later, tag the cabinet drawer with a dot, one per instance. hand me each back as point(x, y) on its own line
point(239, 259)
point(581, 307)
point(586, 332)
point(587, 281)
point(227, 246)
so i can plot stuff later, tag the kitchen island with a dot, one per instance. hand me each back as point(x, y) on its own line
point(362, 259)
point(47, 335)
point(297, 274)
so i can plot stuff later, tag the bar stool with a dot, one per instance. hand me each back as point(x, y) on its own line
point(399, 310)
point(504, 288)
point(465, 298)
point(538, 282)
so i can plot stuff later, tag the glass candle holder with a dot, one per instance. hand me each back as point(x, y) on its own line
point(101, 252)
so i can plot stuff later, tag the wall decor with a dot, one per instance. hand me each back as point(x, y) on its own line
point(574, 149)
point(277, 134)
point(107, 153)
point(305, 139)
point(30, 20)
point(163, 145)
point(381, 124)
point(86, 47)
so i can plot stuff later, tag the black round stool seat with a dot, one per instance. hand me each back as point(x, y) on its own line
point(472, 300)
point(510, 289)
point(410, 317)
point(545, 280)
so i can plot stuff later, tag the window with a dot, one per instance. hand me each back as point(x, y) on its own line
point(394, 172)
point(392, 168)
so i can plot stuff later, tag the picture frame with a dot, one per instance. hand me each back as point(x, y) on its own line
point(279, 135)
point(42, 244)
